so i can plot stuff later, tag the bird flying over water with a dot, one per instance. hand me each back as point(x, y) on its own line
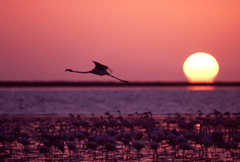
point(99, 69)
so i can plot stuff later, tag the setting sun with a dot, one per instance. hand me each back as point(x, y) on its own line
point(201, 68)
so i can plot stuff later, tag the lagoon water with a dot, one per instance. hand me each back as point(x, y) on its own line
point(62, 101)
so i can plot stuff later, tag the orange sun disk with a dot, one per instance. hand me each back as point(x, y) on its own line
point(201, 68)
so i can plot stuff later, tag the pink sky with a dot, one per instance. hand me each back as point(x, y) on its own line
point(138, 40)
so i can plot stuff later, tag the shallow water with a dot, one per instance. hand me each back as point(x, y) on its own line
point(165, 150)
point(97, 100)
point(61, 101)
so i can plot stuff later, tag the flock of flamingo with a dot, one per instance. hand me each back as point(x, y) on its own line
point(133, 137)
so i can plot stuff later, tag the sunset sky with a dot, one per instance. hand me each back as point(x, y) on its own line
point(139, 40)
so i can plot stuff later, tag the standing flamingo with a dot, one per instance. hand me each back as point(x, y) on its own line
point(138, 146)
point(43, 148)
point(154, 145)
point(110, 147)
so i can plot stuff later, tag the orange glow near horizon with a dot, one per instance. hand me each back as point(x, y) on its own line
point(201, 68)
point(139, 40)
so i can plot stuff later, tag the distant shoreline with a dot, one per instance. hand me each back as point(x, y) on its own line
point(111, 84)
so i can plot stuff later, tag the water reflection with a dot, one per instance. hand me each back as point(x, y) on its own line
point(201, 88)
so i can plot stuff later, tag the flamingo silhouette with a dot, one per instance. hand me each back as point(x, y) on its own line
point(99, 69)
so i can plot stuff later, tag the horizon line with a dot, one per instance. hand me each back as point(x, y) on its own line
point(108, 83)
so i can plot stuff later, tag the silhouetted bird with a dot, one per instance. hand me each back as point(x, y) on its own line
point(99, 69)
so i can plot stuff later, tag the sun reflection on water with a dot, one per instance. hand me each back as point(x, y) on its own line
point(201, 88)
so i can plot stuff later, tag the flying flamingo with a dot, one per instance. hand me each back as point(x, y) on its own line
point(99, 69)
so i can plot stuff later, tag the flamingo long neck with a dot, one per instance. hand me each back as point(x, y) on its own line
point(81, 71)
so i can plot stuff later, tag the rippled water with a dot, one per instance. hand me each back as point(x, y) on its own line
point(62, 101)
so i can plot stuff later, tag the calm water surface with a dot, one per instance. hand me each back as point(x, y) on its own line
point(62, 101)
